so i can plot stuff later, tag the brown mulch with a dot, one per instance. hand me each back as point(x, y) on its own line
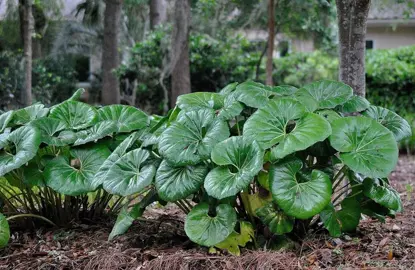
point(160, 243)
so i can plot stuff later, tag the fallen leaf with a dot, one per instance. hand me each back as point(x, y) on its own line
point(390, 254)
point(383, 242)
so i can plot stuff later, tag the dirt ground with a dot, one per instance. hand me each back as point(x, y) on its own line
point(160, 243)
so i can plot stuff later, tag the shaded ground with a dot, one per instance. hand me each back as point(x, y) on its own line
point(160, 243)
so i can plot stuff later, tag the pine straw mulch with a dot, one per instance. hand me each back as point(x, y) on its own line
point(161, 244)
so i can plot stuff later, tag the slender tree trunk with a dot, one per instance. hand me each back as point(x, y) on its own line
point(352, 19)
point(110, 58)
point(158, 14)
point(180, 75)
point(27, 49)
point(271, 37)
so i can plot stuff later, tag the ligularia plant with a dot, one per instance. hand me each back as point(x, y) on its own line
point(247, 160)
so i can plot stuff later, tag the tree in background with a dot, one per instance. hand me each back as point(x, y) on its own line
point(158, 12)
point(271, 38)
point(180, 69)
point(352, 19)
point(27, 31)
point(110, 59)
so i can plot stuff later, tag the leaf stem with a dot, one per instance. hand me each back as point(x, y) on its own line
point(33, 216)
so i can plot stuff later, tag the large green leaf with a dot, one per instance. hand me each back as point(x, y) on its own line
point(228, 89)
point(49, 127)
point(284, 90)
point(277, 221)
point(382, 193)
point(30, 113)
point(252, 94)
point(200, 100)
point(354, 104)
point(207, 230)
point(22, 145)
point(130, 174)
point(192, 138)
point(96, 132)
point(300, 194)
point(285, 123)
point(77, 95)
point(239, 160)
point(365, 145)
point(75, 115)
point(231, 108)
point(5, 119)
point(399, 126)
point(110, 161)
point(127, 118)
point(4, 231)
point(344, 220)
point(176, 183)
point(3, 137)
point(326, 94)
point(74, 177)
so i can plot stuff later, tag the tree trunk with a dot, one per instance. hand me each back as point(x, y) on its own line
point(352, 19)
point(110, 86)
point(180, 75)
point(158, 14)
point(271, 37)
point(27, 49)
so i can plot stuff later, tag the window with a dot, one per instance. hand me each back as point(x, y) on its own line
point(369, 44)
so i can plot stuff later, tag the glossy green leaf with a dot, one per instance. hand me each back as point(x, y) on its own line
point(327, 94)
point(236, 240)
point(4, 231)
point(344, 220)
point(200, 100)
point(30, 113)
point(331, 221)
point(49, 127)
point(176, 183)
point(207, 230)
point(192, 138)
point(284, 90)
point(300, 194)
point(382, 193)
point(239, 160)
point(96, 132)
point(110, 161)
point(252, 94)
point(77, 95)
point(5, 119)
point(277, 221)
point(22, 145)
point(329, 115)
point(354, 104)
point(399, 126)
point(231, 108)
point(285, 123)
point(365, 146)
point(127, 118)
point(3, 137)
point(74, 177)
point(75, 115)
point(130, 174)
point(228, 89)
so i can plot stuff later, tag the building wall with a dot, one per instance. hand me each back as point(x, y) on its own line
point(387, 37)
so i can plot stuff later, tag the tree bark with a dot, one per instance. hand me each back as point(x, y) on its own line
point(352, 19)
point(158, 14)
point(271, 37)
point(110, 58)
point(180, 75)
point(27, 49)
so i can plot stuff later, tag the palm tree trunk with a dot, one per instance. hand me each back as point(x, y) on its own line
point(27, 49)
point(271, 37)
point(110, 58)
point(352, 19)
point(180, 75)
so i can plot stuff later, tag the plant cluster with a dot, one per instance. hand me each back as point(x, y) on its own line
point(241, 163)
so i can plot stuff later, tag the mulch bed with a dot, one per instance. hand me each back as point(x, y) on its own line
point(160, 243)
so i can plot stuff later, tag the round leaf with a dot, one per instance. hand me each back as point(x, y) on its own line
point(285, 123)
point(228, 89)
point(327, 94)
point(126, 118)
point(30, 113)
point(284, 90)
point(299, 194)
point(4, 231)
point(208, 231)
point(129, 174)
point(23, 143)
point(252, 94)
point(355, 104)
point(192, 138)
point(96, 132)
point(239, 160)
point(365, 145)
point(277, 221)
point(399, 126)
point(5, 119)
point(176, 183)
point(75, 115)
point(200, 100)
point(75, 177)
point(382, 193)
point(48, 128)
